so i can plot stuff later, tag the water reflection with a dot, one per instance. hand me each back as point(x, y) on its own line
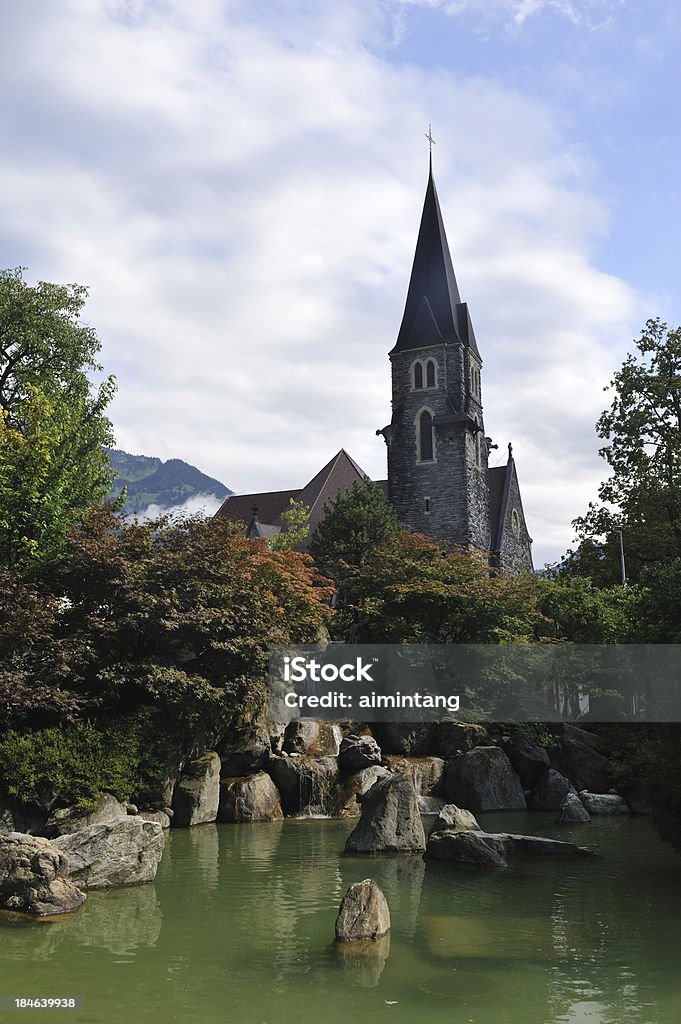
point(363, 962)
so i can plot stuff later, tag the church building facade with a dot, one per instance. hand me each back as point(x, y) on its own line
point(439, 481)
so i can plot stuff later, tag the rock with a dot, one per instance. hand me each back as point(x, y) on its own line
point(583, 736)
point(358, 752)
point(363, 913)
point(72, 819)
point(454, 738)
point(197, 794)
point(390, 821)
point(529, 759)
point(249, 798)
point(415, 738)
point(604, 803)
point(131, 808)
point(425, 771)
point(246, 751)
point(33, 877)
point(483, 780)
point(316, 739)
point(455, 819)
point(584, 766)
point(550, 791)
point(464, 848)
point(573, 811)
point(305, 783)
point(346, 803)
point(122, 852)
point(509, 845)
point(160, 817)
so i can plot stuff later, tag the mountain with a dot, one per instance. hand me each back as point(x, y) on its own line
point(166, 485)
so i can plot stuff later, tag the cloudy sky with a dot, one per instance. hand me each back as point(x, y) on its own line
point(240, 183)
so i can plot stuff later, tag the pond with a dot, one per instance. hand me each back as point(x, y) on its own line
point(238, 926)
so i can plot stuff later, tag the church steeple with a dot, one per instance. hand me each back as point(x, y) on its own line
point(433, 312)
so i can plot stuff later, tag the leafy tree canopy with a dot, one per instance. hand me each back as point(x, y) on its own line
point(52, 419)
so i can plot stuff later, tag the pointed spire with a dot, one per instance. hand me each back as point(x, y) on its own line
point(432, 277)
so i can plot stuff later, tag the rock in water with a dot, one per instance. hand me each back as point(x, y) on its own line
point(604, 803)
point(197, 795)
point(573, 811)
point(305, 783)
point(33, 877)
point(529, 759)
point(390, 821)
point(363, 913)
point(249, 798)
point(346, 799)
point(583, 765)
point(464, 848)
point(455, 819)
point(484, 780)
point(550, 791)
point(123, 852)
point(72, 819)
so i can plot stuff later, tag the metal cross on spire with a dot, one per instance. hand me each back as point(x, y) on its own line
point(431, 140)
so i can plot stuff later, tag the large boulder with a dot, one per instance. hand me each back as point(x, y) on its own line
point(425, 771)
point(245, 751)
point(390, 821)
point(305, 783)
point(550, 791)
point(197, 795)
point(73, 819)
point(316, 739)
point(122, 852)
point(160, 817)
point(483, 780)
point(464, 848)
point(529, 759)
point(583, 765)
point(357, 752)
point(250, 798)
point(455, 819)
point(604, 803)
point(454, 738)
point(33, 877)
point(346, 799)
point(363, 913)
point(573, 811)
point(509, 845)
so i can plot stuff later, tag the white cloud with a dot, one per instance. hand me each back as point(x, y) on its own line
point(242, 195)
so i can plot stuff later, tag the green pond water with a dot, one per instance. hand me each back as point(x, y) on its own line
point(238, 925)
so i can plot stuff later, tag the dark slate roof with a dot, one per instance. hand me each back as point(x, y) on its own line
point(499, 483)
point(433, 312)
point(270, 505)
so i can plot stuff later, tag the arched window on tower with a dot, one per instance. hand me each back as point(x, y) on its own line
point(418, 376)
point(430, 373)
point(425, 437)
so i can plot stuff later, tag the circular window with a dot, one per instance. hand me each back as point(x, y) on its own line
point(515, 522)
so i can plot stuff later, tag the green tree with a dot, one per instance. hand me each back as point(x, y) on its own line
point(576, 611)
point(53, 426)
point(296, 527)
point(642, 429)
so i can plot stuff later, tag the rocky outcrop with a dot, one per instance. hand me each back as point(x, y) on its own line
point(604, 803)
point(33, 877)
point(316, 739)
point(455, 819)
point(573, 811)
point(73, 819)
point(584, 765)
point(464, 848)
point(529, 760)
point(245, 751)
point(249, 798)
point(550, 791)
point(407, 738)
point(483, 780)
point(122, 852)
point(305, 783)
point(357, 752)
point(346, 802)
point(390, 821)
point(160, 817)
point(197, 794)
point(454, 738)
point(363, 913)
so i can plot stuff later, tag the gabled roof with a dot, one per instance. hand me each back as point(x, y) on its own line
point(270, 505)
point(432, 279)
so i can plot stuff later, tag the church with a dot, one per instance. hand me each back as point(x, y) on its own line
point(439, 481)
